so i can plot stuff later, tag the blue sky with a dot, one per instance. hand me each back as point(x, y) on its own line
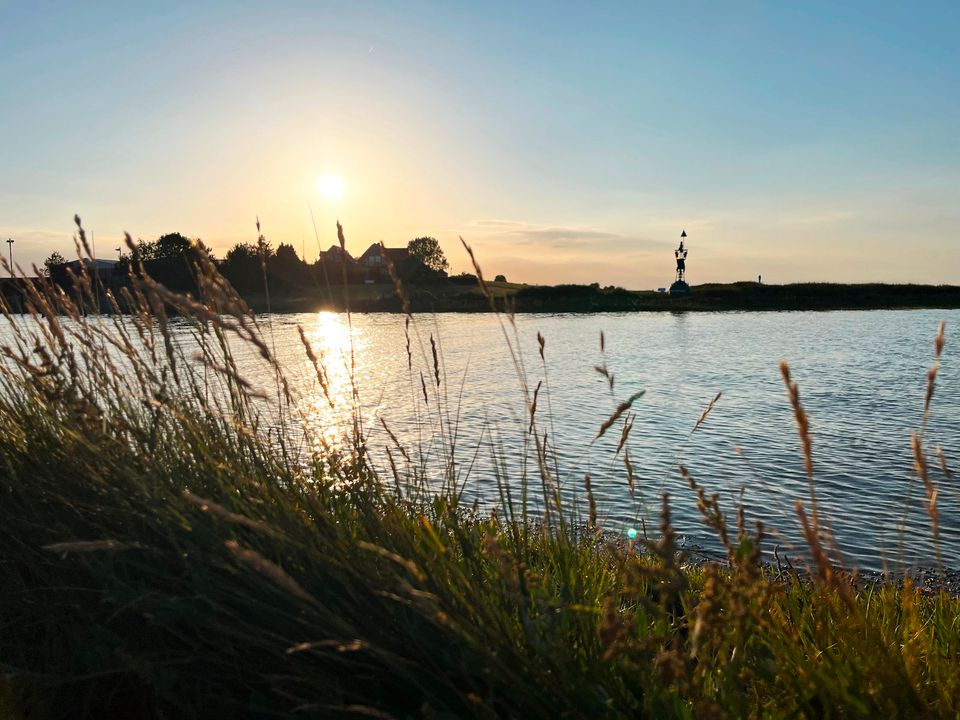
point(803, 141)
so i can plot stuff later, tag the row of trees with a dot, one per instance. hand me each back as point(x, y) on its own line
point(170, 258)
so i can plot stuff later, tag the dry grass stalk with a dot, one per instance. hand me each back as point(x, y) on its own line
point(533, 405)
point(812, 536)
point(602, 370)
point(87, 546)
point(408, 565)
point(920, 465)
point(269, 569)
point(916, 444)
point(476, 268)
point(592, 502)
point(393, 469)
point(938, 343)
point(630, 476)
point(947, 473)
point(406, 335)
point(393, 438)
point(800, 415)
point(338, 645)
point(230, 372)
point(624, 434)
point(325, 710)
point(398, 288)
point(803, 430)
point(318, 368)
point(709, 509)
point(621, 409)
point(436, 359)
point(709, 610)
point(208, 506)
point(706, 412)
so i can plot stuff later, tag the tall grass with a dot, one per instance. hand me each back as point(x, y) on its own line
point(166, 554)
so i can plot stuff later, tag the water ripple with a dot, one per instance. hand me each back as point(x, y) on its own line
point(862, 378)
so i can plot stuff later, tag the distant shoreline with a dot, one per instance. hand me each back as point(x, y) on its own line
point(732, 297)
point(462, 295)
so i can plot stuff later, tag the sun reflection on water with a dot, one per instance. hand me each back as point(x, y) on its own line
point(328, 409)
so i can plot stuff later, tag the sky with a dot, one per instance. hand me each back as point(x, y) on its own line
point(801, 141)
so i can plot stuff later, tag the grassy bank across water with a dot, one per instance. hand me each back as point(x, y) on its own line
point(164, 553)
point(511, 297)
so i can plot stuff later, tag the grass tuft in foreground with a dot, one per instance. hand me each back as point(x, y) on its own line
point(162, 554)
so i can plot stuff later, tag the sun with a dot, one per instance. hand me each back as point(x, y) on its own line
point(330, 187)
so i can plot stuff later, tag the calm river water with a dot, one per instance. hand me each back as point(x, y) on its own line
point(862, 378)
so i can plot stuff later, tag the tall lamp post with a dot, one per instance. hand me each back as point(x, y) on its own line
point(10, 245)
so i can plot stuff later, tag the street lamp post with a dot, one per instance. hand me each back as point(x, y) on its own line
point(10, 245)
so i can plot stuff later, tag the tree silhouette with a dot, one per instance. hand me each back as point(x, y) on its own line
point(55, 260)
point(241, 266)
point(287, 271)
point(264, 249)
point(241, 253)
point(286, 256)
point(169, 260)
point(171, 245)
point(427, 250)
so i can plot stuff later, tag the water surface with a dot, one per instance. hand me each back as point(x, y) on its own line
point(862, 378)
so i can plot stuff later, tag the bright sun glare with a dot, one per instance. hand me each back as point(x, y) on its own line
point(330, 187)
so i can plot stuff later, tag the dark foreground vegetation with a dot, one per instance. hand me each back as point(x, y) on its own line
point(164, 553)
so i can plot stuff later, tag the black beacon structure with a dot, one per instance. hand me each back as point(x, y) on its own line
point(680, 286)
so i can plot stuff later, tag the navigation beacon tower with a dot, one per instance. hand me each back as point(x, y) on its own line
point(680, 286)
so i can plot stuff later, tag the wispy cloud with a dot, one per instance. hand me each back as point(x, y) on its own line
point(32, 236)
point(519, 233)
point(828, 217)
point(534, 252)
